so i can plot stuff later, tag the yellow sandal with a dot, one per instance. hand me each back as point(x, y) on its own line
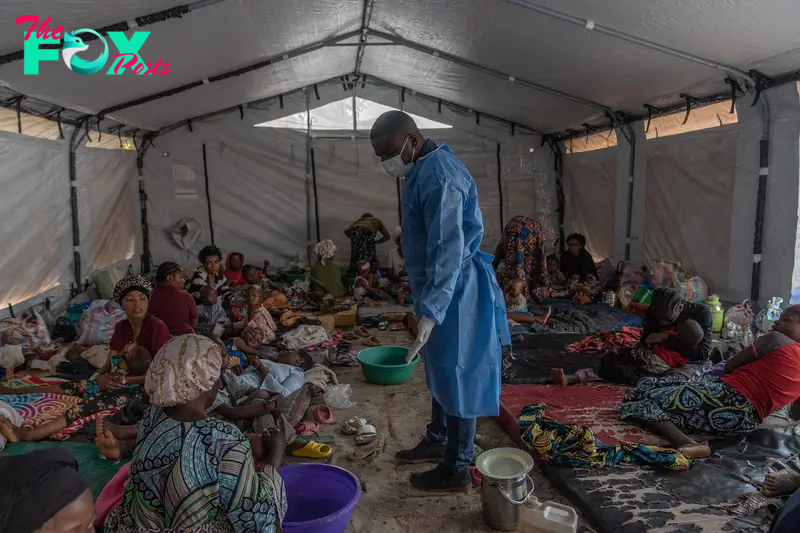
point(313, 450)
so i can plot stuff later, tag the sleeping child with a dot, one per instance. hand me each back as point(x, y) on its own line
point(284, 376)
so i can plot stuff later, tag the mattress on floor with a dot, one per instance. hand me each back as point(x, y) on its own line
point(368, 312)
point(587, 319)
point(700, 500)
point(535, 355)
point(595, 406)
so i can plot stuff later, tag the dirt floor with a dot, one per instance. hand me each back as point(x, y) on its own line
point(389, 504)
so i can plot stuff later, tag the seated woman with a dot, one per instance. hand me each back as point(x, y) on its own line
point(579, 270)
point(119, 381)
point(520, 255)
point(363, 238)
point(362, 287)
point(517, 306)
point(326, 274)
point(170, 302)
point(760, 380)
point(43, 492)
point(194, 473)
point(399, 287)
point(209, 273)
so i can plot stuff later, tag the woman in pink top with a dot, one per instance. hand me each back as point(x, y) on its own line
point(759, 380)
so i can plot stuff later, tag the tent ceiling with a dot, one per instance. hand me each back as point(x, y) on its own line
point(499, 34)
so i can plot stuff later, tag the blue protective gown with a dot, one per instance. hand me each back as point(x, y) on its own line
point(453, 282)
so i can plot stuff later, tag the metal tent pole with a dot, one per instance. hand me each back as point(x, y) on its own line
point(761, 200)
point(593, 26)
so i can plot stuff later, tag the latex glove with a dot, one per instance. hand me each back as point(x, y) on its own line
point(424, 329)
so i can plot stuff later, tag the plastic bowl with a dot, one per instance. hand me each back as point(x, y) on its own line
point(321, 498)
point(386, 365)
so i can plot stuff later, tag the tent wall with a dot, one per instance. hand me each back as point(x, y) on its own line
point(262, 198)
point(694, 199)
point(36, 236)
point(107, 200)
point(590, 190)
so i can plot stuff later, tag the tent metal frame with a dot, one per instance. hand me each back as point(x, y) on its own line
point(616, 119)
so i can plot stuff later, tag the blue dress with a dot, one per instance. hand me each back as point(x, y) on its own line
point(452, 282)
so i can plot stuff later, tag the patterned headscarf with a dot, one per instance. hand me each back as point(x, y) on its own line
point(132, 283)
point(184, 368)
point(325, 250)
point(521, 239)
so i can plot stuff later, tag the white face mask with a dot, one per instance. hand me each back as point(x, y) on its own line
point(395, 166)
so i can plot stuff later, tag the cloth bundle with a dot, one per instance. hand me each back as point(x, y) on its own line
point(320, 376)
point(627, 337)
point(29, 331)
point(305, 336)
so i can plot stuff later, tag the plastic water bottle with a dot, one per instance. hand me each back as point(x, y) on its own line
point(547, 517)
point(717, 315)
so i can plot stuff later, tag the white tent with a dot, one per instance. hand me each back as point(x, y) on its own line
point(521, 82)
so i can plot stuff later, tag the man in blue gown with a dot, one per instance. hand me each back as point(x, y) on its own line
point(456, 297)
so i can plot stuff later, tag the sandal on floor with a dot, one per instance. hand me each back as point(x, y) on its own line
point(352, 426)
point(372, 341)
point(313, 450)
point(366, 451)
point(306, 428)
point(350, 336)
point(324, 415)
point(361, 331)
point(366, 434)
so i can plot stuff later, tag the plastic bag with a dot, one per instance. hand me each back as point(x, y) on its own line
point(741, 315)
point(665, 273)
point(339, 396)
point(98, 322)
point(29, 330)
point(769, 315)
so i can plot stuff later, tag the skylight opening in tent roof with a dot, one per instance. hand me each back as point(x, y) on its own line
point(338, 116)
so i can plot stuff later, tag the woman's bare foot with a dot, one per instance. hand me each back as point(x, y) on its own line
point(696, 450)
point(558, 377)
point(780, 483)
point(105, 441)
point(8, 430)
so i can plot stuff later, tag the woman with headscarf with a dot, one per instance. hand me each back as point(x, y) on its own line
point(43, 492)
point(326, 274)
point(363, 238)
point(194, 473)
point(520, 255)
point(579, 270)
point(118, 382)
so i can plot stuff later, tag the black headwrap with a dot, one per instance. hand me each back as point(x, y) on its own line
point(36, 486)
point(666, 303)
point(130, 284)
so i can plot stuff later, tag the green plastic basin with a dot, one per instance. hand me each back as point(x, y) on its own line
point(386, 365)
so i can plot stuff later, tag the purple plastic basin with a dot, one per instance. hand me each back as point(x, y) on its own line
point(321, 498)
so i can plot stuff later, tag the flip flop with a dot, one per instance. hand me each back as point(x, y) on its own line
point(352, 426)
point(366, 434)
point(350, 336)
point(324, 415)
point(361, 331)
point(372, 341)
point(366, 451)
point(306, 428)
point(313, 450)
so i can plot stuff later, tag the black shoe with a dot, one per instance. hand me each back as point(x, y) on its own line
point(440, 479)
point(424, 452)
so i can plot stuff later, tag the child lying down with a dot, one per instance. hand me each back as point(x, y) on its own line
point(286, 376)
